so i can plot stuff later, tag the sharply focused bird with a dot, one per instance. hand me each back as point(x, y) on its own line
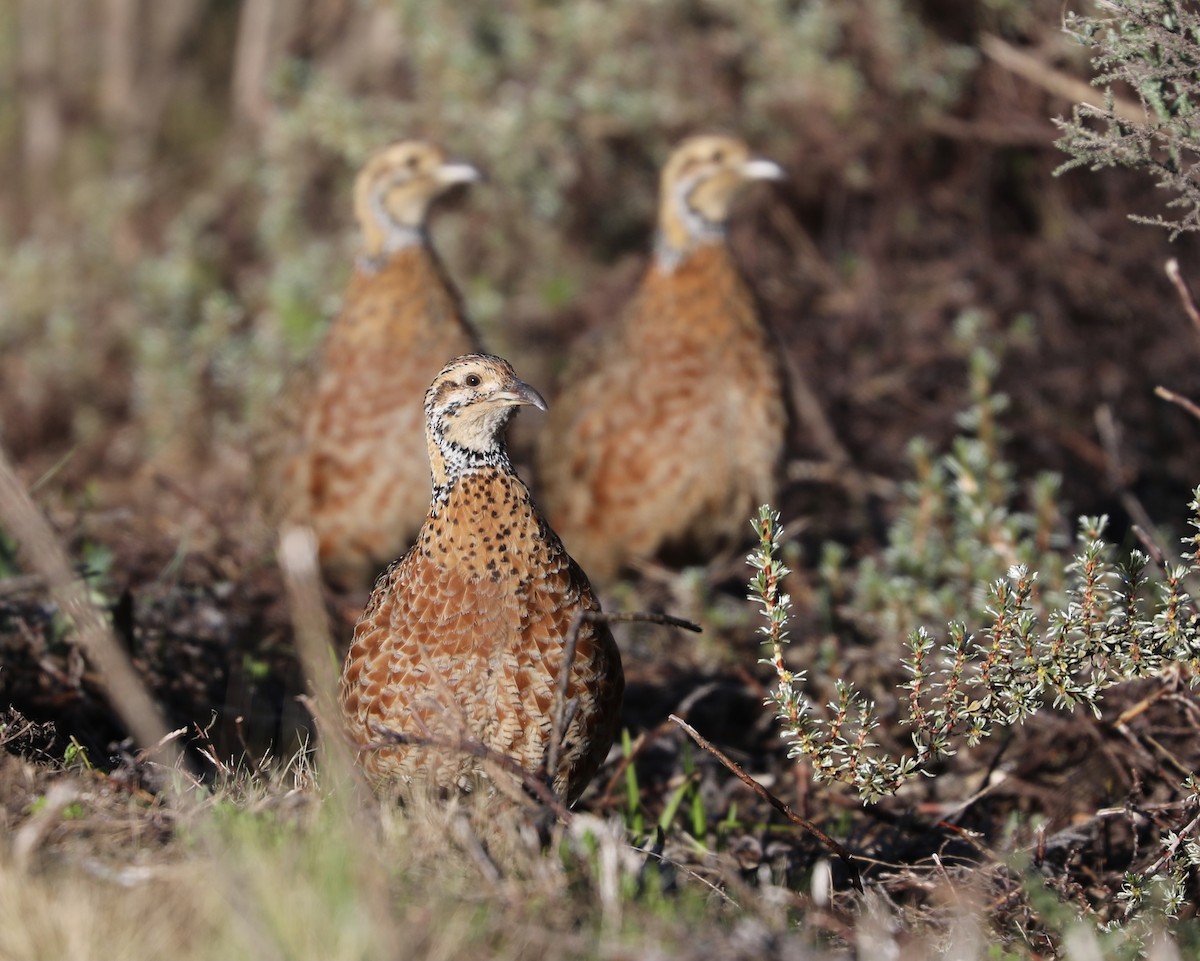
point(462, 642)
point(359, 476)
point(669, 431)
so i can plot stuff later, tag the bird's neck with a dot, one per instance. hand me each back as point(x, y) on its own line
point(682, 228)
point(711, 259)
point(382, 241)
point(461, 446)
point(452, 465)
point(673, 244)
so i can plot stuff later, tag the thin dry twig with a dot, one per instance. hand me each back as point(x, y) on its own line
point(1159, 556)
point(1185, 292)
point(646, 617)
point(1179, 400)
point(1170, 849)
point(647, 738)
point(1054, 82)
point(564, 709)
point(465, 745)
point(678, 866)
point(357, 819)
point(170, 738)
point(833, 846)
point(1189, 307)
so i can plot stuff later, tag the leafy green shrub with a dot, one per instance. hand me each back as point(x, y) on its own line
point(1013, 646)
point(1153, 46)
point(960, 553)
point(1115, 626)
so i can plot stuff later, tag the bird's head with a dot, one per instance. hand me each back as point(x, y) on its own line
point(395, 189)
point(467, 407)
point(700, 182)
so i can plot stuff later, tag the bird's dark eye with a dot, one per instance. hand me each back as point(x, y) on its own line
point(718, 156)
point(472, 380)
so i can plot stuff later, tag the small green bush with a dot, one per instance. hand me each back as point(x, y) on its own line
point(1153, 47)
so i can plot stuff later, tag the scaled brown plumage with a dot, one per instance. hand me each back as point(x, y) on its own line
point(463, 638)
point(358, 477)
point(670, 430)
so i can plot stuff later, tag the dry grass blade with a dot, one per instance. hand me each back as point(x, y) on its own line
point(298, 561)
point(354, 818)
point(21, 517)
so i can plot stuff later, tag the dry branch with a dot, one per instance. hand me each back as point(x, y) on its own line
point(1054, 82)
point(1185, 292)
point(474, 748)
point(1179, 400)
point(833, 846)
point(564, 710)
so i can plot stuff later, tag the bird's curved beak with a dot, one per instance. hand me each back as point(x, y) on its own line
point(520, 393)
point(449, 174)
point(760, 169)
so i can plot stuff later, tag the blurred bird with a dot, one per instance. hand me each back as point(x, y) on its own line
point(463, 638)
point(358, 476)
point(669, 430)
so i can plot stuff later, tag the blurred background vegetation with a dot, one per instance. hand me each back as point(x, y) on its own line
point(175, 225)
